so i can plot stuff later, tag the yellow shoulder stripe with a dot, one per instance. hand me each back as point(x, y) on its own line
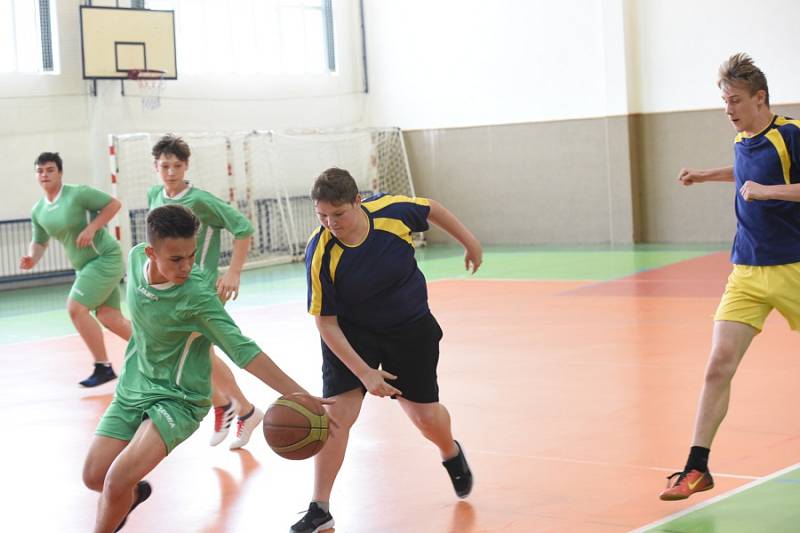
point(316, 270)
point(781, 121)
point(776, 139)
point(395, 226)
point(336, 255)
point(313, 234)
point(383, 201)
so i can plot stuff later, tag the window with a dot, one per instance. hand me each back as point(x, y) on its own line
point(27, 36)
point(252, 36)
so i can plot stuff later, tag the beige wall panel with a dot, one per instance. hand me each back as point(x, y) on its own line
point(519, 184)
point(665, 142)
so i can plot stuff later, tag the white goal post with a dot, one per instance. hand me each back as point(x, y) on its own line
point(267, 175)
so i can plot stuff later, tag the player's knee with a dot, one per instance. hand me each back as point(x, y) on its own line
point(76, 310)
point(720, 369)
point(107, 316)
point(93, 477)
point(345, 413)
point(116, 486)
point(345, 418)
point(425, 420)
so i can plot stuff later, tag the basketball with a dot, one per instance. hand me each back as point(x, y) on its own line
point(296, 427)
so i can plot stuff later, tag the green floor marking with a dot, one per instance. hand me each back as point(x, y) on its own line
point(27, 314)
point(767, 505)
point(558, 263)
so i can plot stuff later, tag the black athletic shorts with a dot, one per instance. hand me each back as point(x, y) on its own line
point(410, 352)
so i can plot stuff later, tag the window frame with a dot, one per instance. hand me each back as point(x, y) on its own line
point(38, 40)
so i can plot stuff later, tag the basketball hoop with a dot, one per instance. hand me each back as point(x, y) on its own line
point(151, 83)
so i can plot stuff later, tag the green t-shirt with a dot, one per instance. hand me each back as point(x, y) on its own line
point(173, 329)
point(66, 217)
point(214, 215)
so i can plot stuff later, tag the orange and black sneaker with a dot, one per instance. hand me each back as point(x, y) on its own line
point(688, 482)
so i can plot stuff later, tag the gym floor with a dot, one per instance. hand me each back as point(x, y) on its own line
point(572, 377)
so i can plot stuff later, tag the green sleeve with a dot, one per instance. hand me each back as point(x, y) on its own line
point(152, 195)
point(40, 235)
point(92, 199)
point(216, 324)
point(222, 215)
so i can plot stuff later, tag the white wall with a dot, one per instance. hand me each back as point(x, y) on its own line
point(56, 112)
point(452, 63)
point(681, 43)
point(457, 63)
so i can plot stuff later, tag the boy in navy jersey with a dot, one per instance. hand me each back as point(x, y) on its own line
point(370, 303)
point(766, 250)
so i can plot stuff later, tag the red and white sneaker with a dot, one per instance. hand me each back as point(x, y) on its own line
point(223, 418)
point(688, 483)
point(244, 428)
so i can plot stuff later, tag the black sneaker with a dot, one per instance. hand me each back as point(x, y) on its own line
point(460, 474)
point(102, 374)
point(143, 491)
point(314, 521)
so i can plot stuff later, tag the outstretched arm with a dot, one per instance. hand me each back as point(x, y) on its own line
point(442, 217)
point(264, 368)
point(35, 252)
point(690, 176)
point(105, 215)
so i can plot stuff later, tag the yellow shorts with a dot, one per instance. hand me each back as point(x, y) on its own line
point(753, 291)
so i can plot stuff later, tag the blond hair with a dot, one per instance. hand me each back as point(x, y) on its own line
point(740, 71)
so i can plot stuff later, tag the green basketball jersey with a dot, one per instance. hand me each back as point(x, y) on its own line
point(214, 215)
point(173, 329)
point(67, 216)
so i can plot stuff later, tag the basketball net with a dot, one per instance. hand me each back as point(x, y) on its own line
point(151, 83)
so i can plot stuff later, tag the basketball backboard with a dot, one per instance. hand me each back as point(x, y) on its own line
point(116, 40)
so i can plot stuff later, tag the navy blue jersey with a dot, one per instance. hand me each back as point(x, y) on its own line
point(767, 231)
point(377, 283)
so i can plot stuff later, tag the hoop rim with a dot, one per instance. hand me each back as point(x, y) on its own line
point(146, 74)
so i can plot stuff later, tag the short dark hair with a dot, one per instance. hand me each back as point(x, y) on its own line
point(49, 157)
point(335, 186)
point(171, 144)
point(171, 221)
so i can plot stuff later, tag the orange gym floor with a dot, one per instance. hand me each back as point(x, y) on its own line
point(571, 376)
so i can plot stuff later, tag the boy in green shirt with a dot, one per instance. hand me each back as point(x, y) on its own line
point(76, 215)
point(171, 155)
point(164, 390)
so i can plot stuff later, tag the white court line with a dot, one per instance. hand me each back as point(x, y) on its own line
point(716, 499)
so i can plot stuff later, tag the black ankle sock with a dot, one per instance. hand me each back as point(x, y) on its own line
point(248, 415)
point(698, 459)
point(325, 506)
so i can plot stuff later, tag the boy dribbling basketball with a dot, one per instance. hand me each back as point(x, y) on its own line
point(164, 389)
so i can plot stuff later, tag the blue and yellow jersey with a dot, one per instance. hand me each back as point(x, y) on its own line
point(375, 284)
point(767, 231)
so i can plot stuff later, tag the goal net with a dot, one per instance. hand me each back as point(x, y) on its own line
point(266, 175)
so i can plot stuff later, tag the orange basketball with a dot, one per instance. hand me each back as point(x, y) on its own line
point(296, 427)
